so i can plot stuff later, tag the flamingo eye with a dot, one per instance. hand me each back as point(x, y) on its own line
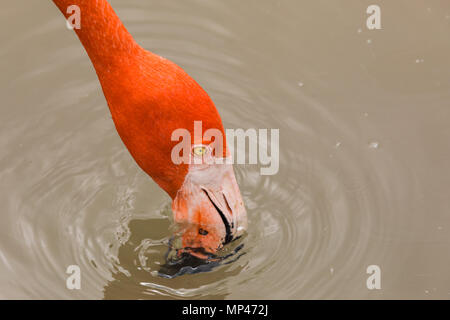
point(199, 150)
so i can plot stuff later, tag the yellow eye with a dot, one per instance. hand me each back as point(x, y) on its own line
point(199, 151)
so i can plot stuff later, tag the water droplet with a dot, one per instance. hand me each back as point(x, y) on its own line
point(300, 84)
point(359, 30)
point(154, 273)
point(337, 145)
point(374, 145)
point(331, 270)
point(369, 41)
point(365, 114)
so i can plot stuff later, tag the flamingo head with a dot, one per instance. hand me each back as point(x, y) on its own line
point(209, 206)
point(147, 110)
point(149, 98)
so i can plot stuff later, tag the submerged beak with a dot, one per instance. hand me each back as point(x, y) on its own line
point(209, 206)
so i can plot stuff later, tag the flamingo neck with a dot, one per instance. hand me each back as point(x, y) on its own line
point(149, 97)
point(102, 34)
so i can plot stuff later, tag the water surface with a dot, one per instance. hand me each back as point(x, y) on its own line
point(364, 151)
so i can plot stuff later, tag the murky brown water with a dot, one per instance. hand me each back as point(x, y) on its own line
point(364, 166)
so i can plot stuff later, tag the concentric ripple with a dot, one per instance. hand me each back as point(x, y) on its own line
point(74, 196)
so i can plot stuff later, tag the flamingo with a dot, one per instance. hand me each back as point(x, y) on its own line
point(150, 97)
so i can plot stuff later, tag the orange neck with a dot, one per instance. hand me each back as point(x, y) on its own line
point(102, 34)
point(149, 97)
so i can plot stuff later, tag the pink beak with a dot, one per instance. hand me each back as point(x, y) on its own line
point(209, 206)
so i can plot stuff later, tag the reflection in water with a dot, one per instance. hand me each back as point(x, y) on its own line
point(145, 272)
point(363, 140)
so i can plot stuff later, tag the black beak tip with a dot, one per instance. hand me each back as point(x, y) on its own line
point(228, 227)
point(187, 264)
